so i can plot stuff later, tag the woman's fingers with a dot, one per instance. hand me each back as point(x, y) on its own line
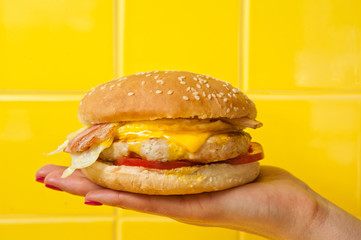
point(45, 170)
point(76, 183)
point(178, 207)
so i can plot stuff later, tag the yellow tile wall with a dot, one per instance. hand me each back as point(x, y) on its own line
point(55, 45)
point(299, 60)
point(57, 228)
point(160, 228)
point(304, 45)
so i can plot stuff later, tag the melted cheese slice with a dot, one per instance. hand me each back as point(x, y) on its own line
point(190, 134)
point(191, 142)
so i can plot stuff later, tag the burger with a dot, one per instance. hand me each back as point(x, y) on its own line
point(165, 133)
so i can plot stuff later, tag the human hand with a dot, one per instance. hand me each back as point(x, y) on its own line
point(276, 205)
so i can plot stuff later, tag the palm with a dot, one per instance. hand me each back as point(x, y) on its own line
point(253, 206)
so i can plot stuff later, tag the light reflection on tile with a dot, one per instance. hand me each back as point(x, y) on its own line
point(316, 139)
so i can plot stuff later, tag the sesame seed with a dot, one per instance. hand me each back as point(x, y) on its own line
point(185, 98)
point(204, 81)
point(111, 86)
point(118, 84)
point(235, 90)
point(143, 82)
point(197, 97)
point(170, 92)
point(147, 75)
point(156, 77)
point(229, 94)
point(188, 88)
point(195, 79)
point(182, 82)
point(195, 93)
point(207, 77)
point(130, 93)
point(209, 96)
point(236, 108)
point(80, 103)
point(156, 71)
point(228, 110)
point(181, 78)
point(102, 87)
point(166, 71)
point(234, 95)
point(198, 86)
point(219, 95)
point(140, 73)
point(222, 94)
point(243, 108)
point(225, 99)
point(158, 91)
point(90, 93)
point(161, 82)
point(213, 95)
point(207, 85)
point(204, 94)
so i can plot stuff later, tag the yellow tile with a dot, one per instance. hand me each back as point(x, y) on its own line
point(199, 36)
point(159, 230)
point(27, 130)
point(57, 229)
point(317, 139)
point(55, 45)
point(304, 45)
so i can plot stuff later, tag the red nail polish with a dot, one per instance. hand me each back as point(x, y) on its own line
point(93, 203)
point(53, 187)
point(40, 179)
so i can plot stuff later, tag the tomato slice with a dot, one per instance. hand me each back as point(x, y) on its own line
point(255, 154)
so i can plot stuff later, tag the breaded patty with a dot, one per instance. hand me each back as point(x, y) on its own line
point(217, 148)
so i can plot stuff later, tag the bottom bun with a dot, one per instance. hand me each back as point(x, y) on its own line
point(185, 180)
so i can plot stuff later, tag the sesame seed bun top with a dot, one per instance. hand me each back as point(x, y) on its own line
point(164, 95)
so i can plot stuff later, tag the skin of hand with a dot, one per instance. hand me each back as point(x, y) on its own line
point(276, 205)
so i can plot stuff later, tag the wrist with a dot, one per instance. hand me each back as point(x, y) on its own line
point(332, 223)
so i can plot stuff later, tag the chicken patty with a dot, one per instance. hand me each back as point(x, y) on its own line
point(216, 148)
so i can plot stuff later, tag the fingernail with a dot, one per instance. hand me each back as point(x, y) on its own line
point(40, 179)
point(93, 203)
point(53, 187)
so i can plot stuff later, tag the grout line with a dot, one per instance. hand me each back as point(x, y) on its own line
point(39, 97)
point(358, 205)
point(304, 96)
point(54, 219)
point(304, 92)
point(115, 39)
point(119, 9)
point(239, 45)
point(116, 229)
point(244, 55)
